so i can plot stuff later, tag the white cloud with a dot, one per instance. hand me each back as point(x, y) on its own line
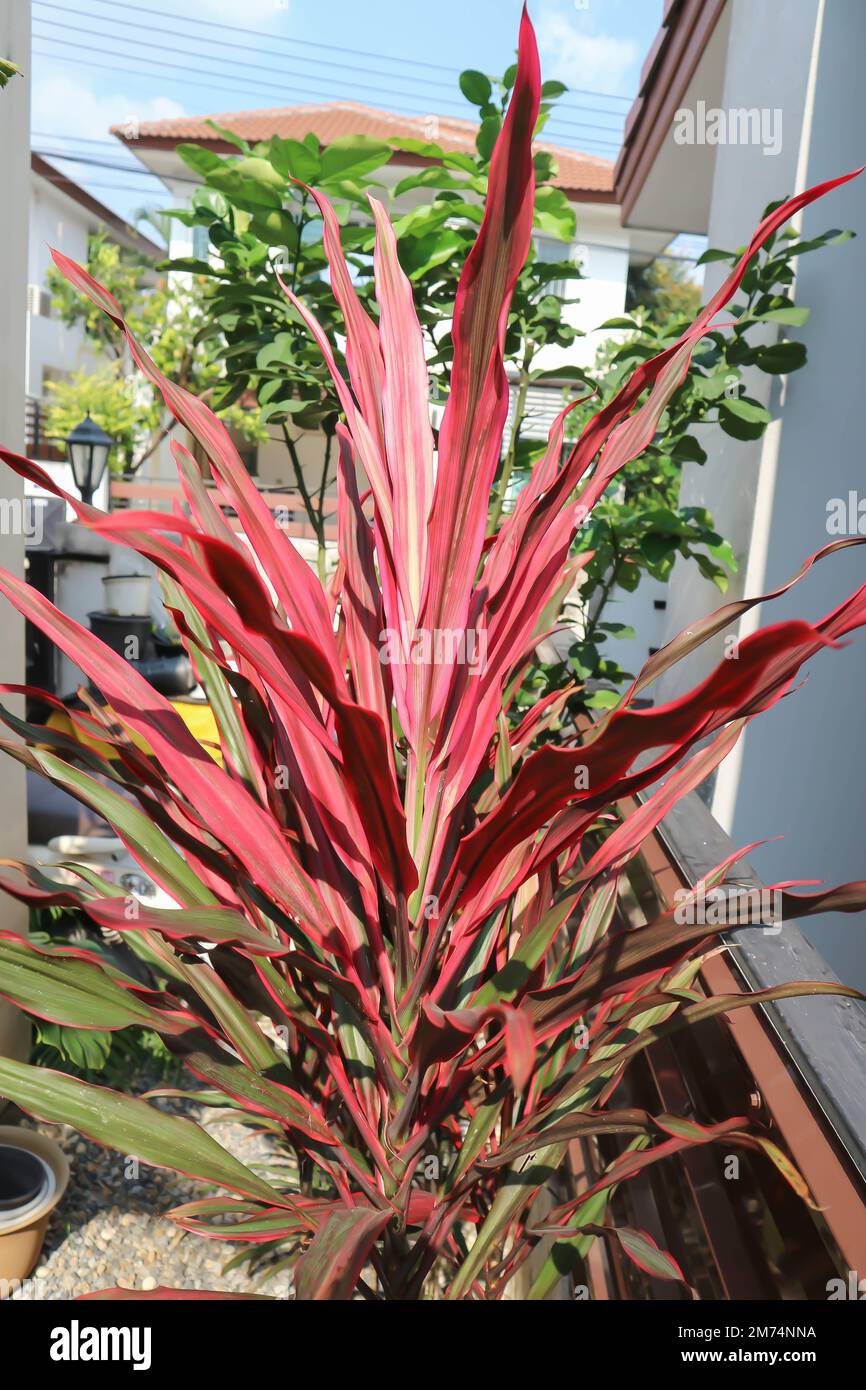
point(66, 106)
point(251, 12)
point(576, 55)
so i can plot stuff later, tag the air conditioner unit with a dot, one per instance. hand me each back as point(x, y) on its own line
point(38, 301)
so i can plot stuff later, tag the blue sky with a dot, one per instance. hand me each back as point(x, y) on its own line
point(97, 62)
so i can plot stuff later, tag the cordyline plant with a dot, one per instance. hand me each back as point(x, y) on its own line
point(395, 947)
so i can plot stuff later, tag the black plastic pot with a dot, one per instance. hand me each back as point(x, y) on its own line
point(115, 630)
point(22, 1177)
point(170, 675)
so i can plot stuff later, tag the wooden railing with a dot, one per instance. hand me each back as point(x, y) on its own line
point(285, 503)
point(795, 1069)
point(37, 444)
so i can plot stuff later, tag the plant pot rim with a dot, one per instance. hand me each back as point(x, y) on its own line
point(51, 1154)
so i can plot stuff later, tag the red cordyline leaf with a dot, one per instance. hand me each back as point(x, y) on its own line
point(408, 435)
point(331, 1266)
point(474, 418)
point(766, 666)
point(292, 578)
point(441, 1035)
point(419, 932)
point(230, 809)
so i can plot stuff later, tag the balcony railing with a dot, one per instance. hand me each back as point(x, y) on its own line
point(38, 445)
point(795, 1068)
point(285, 503)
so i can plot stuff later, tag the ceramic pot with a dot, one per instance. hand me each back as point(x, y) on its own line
point(34, 1173)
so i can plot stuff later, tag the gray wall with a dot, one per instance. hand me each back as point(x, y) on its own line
point(799, 769)
point(15, 183)
point(803, 764)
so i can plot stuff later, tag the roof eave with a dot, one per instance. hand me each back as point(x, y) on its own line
point(411, 158)
point(67, 186)
point(687, 26)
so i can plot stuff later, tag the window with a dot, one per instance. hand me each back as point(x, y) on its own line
point(200, 243)
point(38, 301)
point(550, 249)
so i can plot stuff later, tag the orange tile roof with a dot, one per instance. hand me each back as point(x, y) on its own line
point(578, 173)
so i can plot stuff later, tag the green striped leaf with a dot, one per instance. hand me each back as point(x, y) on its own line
point(131, 1127)
point(77, 993)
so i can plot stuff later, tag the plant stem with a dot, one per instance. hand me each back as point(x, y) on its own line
point(314, 516)
point(508, 465)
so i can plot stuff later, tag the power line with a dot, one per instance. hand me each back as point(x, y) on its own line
point(565, 142)
point(283, 73)
point(96, 183)
point(221, 76)
point(71, 157)
point(202, 24)
point(234, 46)
point(167, 77)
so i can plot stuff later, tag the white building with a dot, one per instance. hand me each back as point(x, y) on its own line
point(63, 216)
point(796, 67)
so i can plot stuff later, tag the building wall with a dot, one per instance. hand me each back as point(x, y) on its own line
point(769, 51)
point(54, 221)
point(602, 249)
point(796, 772)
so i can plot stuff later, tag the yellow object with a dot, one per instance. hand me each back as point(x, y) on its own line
point(196, 715)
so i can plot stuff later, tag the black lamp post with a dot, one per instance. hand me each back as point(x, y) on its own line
point(88, 448)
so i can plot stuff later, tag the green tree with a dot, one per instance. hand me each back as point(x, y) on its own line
point(436, 237)
point(639, 528)
point(261, 223)
point(166, 315)
point(664, 287)
point(264, 228)
point(110, 398)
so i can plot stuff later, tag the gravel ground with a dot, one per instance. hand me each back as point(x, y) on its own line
point(109, 1229)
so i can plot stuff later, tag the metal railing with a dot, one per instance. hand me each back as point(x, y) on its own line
point(287, 504)
point(37, 444)
point(795, 1068)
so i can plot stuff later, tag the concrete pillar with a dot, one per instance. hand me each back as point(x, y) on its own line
point(15, 183)
point(796, 771)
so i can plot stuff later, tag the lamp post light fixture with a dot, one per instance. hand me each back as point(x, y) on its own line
point(88, 447)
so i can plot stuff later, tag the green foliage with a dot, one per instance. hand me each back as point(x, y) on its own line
point(264, 227)
point(111, 398)
point(260, 222)
point(435, 237)
point(94, 1054)
point(639, 528)
point(8, 70)
point(168, 318)
point(109, 1059)
point(665, 288)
